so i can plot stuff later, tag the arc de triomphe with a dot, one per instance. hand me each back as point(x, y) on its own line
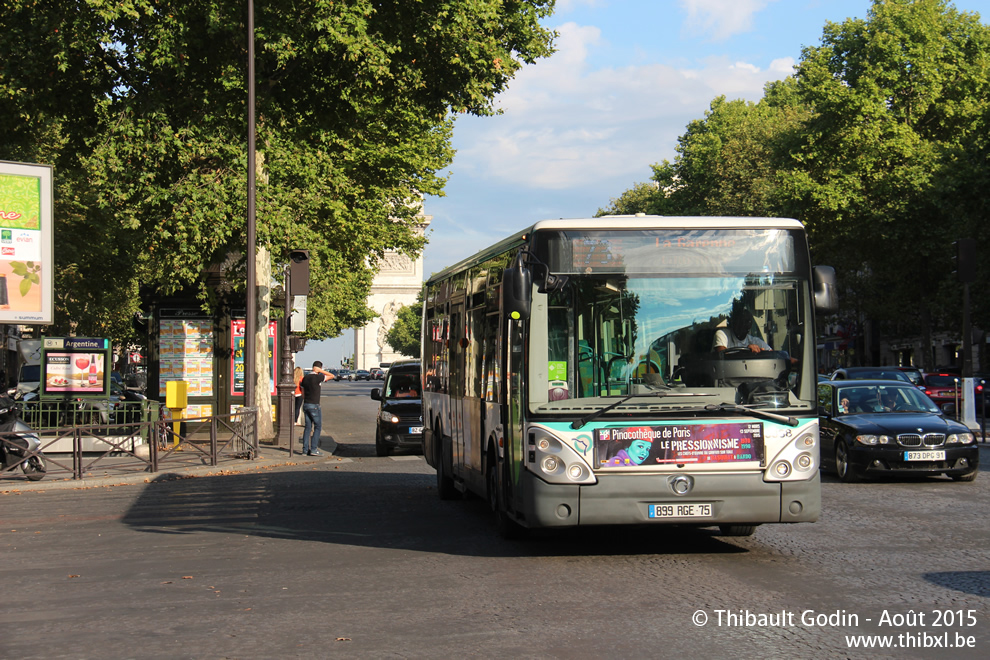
point(398, 282)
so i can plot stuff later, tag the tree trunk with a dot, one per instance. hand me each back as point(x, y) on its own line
point(263, 353)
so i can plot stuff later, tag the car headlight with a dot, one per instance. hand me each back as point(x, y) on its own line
point(874, 440)
point(960, 439)
point(388, 417)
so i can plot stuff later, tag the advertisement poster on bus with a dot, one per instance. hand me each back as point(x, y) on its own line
point(237, 364)
point(26, 282)
point(646, 446)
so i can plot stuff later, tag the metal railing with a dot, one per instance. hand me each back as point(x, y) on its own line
point(76, 440)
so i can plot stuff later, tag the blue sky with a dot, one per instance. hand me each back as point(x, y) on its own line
point(582, 126)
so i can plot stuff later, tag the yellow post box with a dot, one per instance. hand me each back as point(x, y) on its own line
point(176, 400)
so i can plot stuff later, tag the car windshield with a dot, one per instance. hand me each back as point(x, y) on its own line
point(879, 375)
point(402, 385)
point(941, 381)
point(882, 399)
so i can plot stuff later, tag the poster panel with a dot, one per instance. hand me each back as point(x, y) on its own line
point(75, 366)
point(26, 257)
point(237, 364)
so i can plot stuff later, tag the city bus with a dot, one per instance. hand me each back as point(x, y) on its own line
point(572, 374)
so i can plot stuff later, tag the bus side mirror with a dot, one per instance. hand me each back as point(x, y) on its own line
point(517, 292)
point(826, 294)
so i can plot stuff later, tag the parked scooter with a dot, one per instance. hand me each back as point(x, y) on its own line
point(18, 443)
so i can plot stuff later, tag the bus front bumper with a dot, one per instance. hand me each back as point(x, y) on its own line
point(626, 499)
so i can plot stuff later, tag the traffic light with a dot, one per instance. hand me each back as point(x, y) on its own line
point(299, 272)
point(964, 260)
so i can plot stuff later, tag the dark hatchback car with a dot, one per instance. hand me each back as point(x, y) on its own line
point(877, 428)
point(876, 373)
point(400, 415)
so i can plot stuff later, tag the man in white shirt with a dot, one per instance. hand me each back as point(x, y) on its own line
point(737, 333)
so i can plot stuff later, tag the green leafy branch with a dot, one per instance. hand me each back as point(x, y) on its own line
point(29, 272)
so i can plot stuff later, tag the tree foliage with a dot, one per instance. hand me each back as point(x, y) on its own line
point(141, 108)
point(404, 335)
point(878, 143)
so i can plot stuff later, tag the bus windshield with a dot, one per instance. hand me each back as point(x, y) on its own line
point(708, 317)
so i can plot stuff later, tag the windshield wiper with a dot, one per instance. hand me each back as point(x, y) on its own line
point(578, 423)
point(773, 417)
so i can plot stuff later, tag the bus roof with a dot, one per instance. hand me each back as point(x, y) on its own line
point(639, 221)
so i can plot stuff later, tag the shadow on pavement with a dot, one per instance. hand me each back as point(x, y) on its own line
point(968, 582)
point(380, 510)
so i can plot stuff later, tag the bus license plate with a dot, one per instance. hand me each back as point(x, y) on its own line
point(694, 510)
point(415, 430)
point(924, 455)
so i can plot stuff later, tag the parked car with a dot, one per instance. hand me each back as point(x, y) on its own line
point(913, 373)
point(873, 373)
point(879, 427)
point(361, 374)
point(943, 388)
point(400, 415)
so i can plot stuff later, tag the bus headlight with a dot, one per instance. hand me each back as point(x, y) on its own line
point(556, 461)
point(782, 469)
point(796, 459)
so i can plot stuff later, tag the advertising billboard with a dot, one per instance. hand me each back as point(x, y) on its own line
point(75, 367)
point(237, 345)
point(26, 257)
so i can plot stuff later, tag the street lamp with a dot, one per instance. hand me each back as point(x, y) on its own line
point(296, 284)
point(251, 313)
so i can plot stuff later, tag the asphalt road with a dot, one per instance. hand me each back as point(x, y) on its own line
point(357, 557)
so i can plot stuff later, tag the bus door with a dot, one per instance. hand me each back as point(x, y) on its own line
point(457, 357)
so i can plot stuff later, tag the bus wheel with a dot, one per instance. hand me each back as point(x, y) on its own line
point(737, 530)
point(445, 484)
point(506, 527)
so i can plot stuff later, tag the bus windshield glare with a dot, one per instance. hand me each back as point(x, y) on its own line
point(709, 317)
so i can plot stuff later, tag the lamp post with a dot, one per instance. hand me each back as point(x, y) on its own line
point(286, 384)
point(251, 312)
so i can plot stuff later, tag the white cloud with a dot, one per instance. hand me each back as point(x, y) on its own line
point(721, 18)
point(565, 126)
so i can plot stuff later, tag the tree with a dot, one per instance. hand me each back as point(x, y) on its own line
point(140, 106)
point(878, 143)
point(404, 335)
point(729, 162)
point(638, 199)
point(897, 99)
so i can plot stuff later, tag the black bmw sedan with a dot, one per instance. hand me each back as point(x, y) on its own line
point(882, 427)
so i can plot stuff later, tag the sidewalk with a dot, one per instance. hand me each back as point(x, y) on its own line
point(129, 471)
